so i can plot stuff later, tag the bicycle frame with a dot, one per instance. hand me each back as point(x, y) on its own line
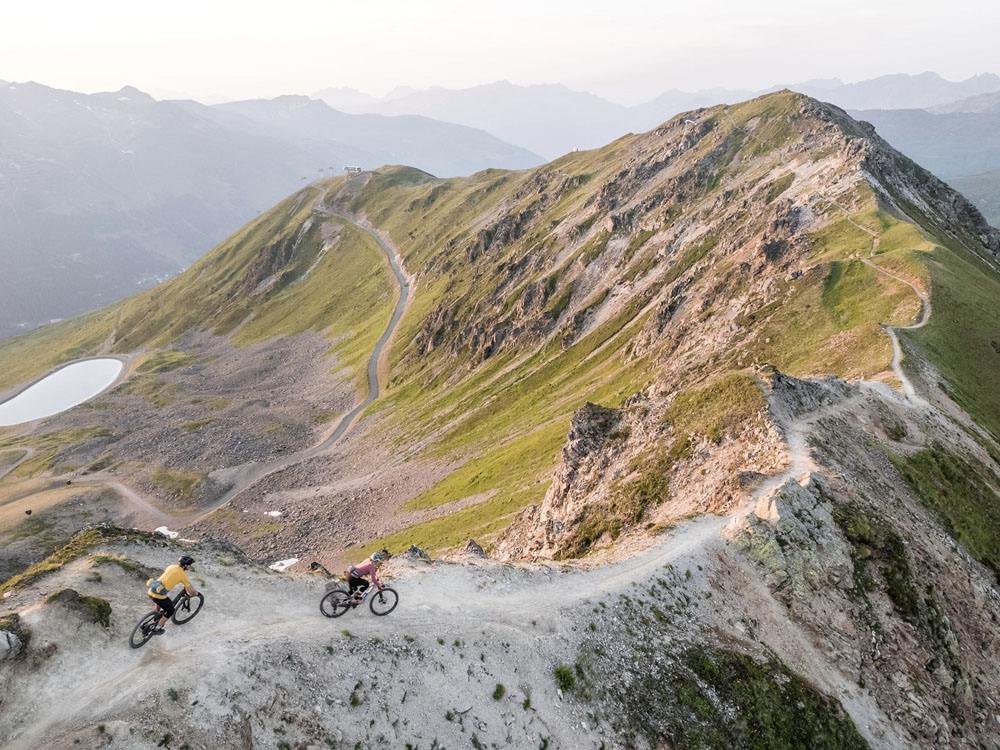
point(367, 591)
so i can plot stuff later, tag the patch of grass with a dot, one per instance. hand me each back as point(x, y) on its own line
point(262, 530)
point(565, 679)
point(560, 303)
point(594, 247)
point(779, 186)
point(138, 570)
point(323, 416)
point(964, 495)
point(179, 484)
point(718, 409)
point(478, 521)
point(188, 427)
point(28, 528)
point(157, 392)
point(507, 468)
point(499, 692)
point(77, 547)
point(164, 361)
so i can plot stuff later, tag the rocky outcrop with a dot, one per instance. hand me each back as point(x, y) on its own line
point(791, 533)
point(10, 645)
point(627, 470)
point(538, 530)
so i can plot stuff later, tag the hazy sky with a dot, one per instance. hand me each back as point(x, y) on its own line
point(624, 49)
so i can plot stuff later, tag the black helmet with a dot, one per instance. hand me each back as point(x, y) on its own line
point(185, 561)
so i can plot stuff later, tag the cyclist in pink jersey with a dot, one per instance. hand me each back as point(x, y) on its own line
point(355, 575)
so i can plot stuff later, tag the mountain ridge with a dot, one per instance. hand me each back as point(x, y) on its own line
point(491, 107)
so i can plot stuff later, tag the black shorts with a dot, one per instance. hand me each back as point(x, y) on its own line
point(354, 582)
point(166, 606)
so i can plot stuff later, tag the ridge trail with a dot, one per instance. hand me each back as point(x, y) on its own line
point(539, 605)
point(925, 303)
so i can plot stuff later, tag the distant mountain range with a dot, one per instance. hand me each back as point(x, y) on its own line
point(103, 194)
point(554, 119)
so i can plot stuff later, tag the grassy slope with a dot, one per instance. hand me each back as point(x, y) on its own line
point(962, 338)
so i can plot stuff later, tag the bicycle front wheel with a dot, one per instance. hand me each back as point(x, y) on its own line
point(187, 607)
point(383, 602)
point(144, 630)
point(335, 603)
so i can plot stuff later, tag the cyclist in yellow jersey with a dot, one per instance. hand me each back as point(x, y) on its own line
point(159, 589)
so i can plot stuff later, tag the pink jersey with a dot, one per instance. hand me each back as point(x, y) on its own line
point(367, 568)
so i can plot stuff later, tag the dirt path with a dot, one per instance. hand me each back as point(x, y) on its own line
point(28, 453)
point(247, 475)
point(897, 350)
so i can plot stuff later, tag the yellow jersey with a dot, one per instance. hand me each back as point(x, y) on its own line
point(173, 575)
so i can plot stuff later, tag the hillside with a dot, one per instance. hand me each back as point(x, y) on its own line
point(959, 144)
point(760, 316)
point(106, 194)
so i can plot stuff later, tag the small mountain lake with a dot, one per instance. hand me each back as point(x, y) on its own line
point(60, 390)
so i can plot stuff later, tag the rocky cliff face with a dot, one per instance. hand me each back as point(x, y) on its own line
point(634, 466)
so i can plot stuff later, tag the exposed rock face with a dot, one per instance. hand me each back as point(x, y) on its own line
point(792, 534)
point(624, 466)
point(415, 554)
point(539, 530)
point(472, 548)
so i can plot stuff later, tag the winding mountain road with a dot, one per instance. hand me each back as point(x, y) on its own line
point(242, 477)
point(28, 453)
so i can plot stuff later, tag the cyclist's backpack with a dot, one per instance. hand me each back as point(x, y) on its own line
point(156, 587)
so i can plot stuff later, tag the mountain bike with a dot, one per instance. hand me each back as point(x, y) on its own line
point(185, 608)
point(381, 601)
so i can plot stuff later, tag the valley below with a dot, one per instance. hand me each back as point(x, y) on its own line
point(716, 404)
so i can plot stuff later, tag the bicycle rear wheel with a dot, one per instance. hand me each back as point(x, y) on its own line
point(187, 607)
point(335, 603)
point(144, 630)
point(383, 602)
